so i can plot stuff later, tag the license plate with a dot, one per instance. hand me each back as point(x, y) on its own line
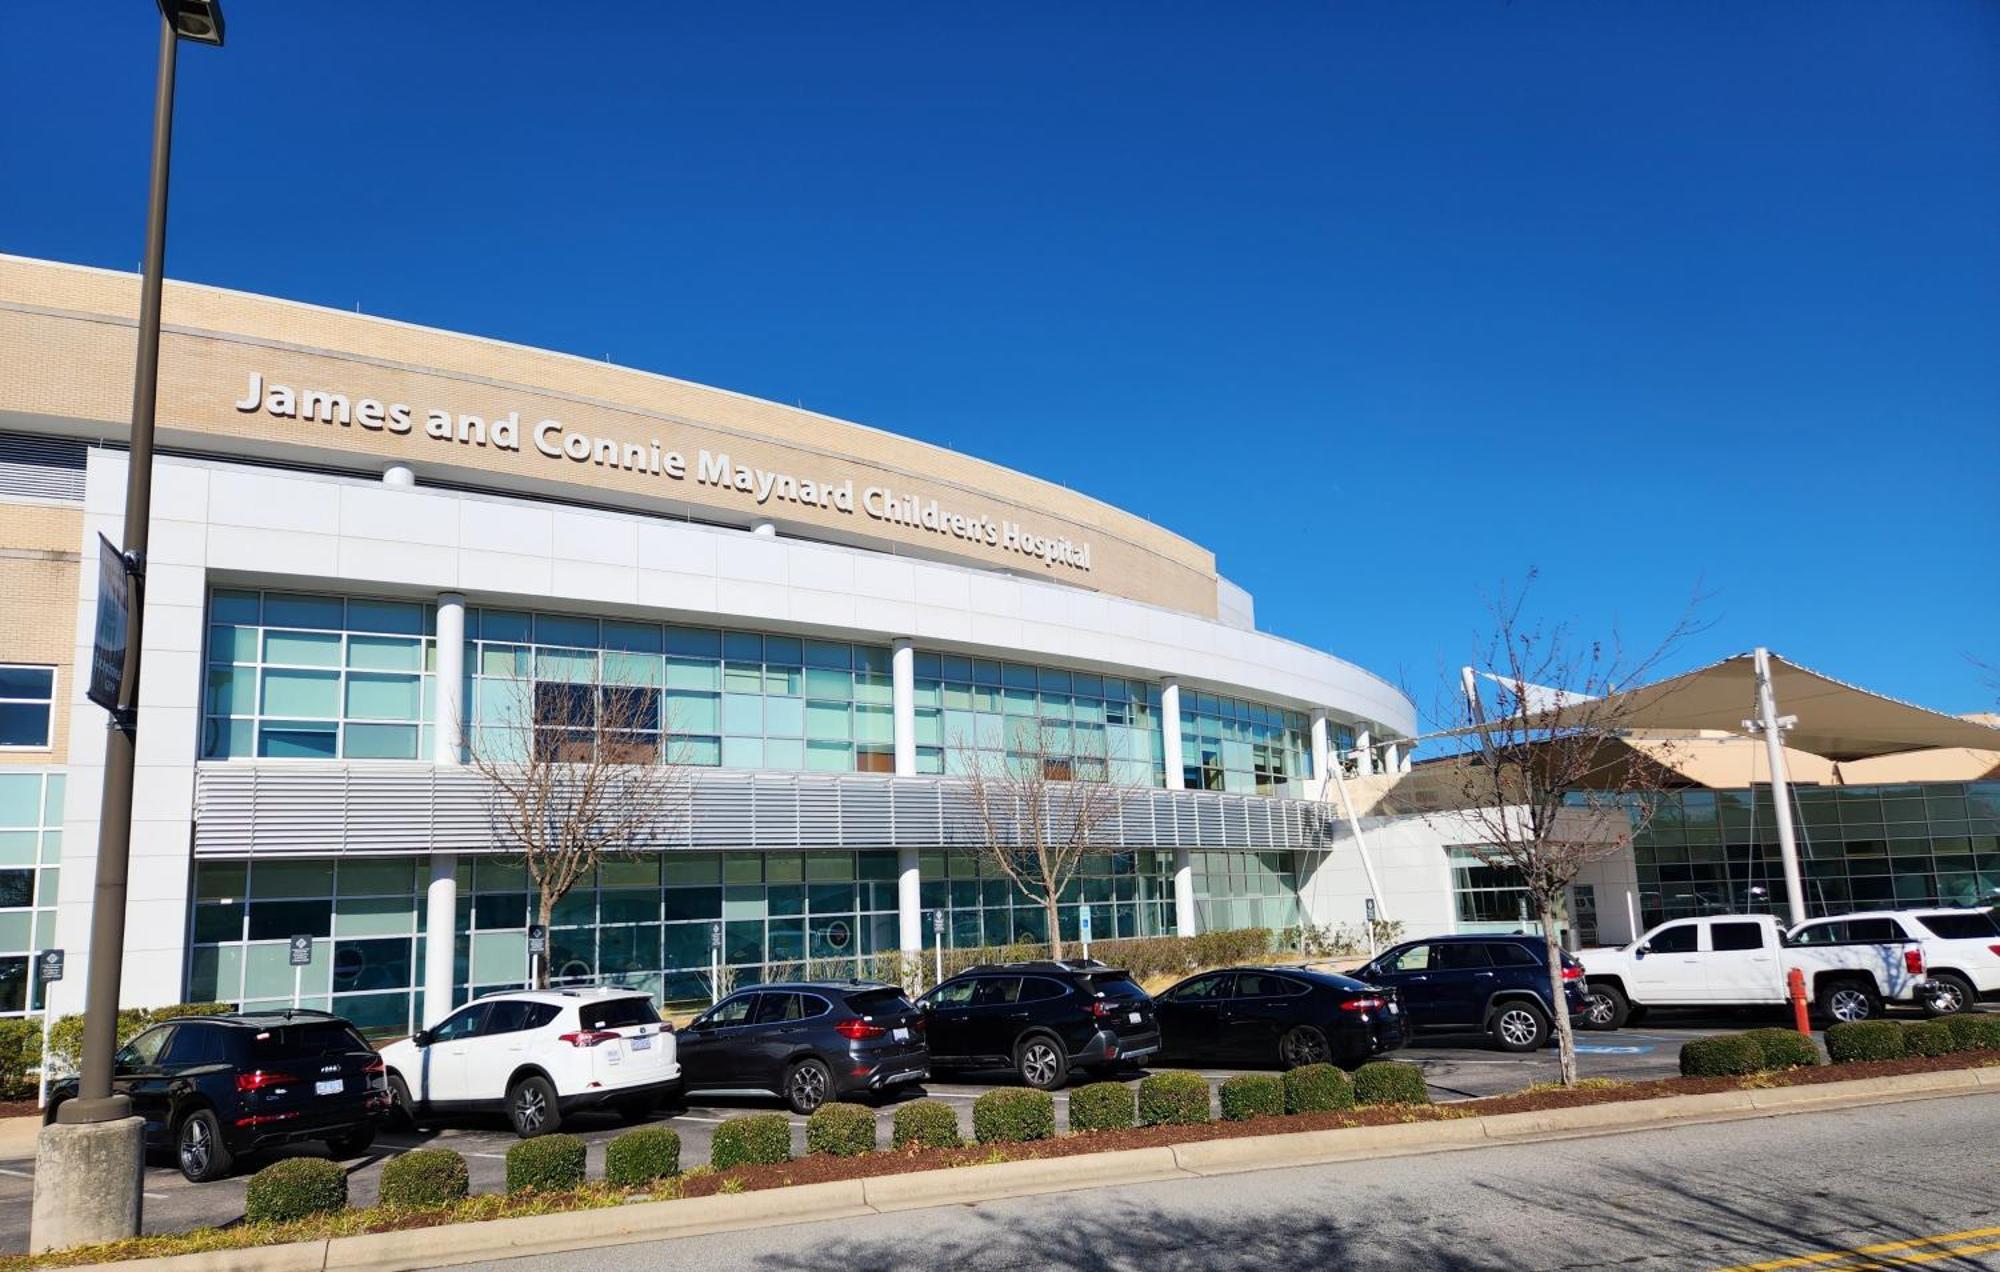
point(329, 1086)
point(1134, 1017)
point(644, 1042)
point(1394, 1010)
point(900, 1035)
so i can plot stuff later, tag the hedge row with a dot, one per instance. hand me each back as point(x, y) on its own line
point(1865, 1040)
point(1144, 957)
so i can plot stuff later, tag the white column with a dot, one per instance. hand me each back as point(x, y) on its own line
point(1773, 727)
point(448, 719)
point(1392, 758)
point(1322, 749)
point(440, 936)
point(1364, 753)
point(1170, 740)
point(903, 691)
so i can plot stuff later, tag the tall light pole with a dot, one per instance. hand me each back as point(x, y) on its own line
point(89, 1165)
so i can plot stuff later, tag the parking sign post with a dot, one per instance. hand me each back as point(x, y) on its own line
point(1083, 929)
point(538, 947)
point(937, 930)
point(714, 963)
point(48, 969)
point(1368, 909)
point(302, 957)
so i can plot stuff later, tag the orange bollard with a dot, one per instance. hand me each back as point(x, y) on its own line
point(1795, 980)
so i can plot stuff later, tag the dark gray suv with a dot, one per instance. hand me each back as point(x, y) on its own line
point(809, 1042)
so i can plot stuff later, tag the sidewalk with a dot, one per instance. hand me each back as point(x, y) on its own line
point(17, 1137)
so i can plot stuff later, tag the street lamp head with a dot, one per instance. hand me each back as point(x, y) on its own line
point(198, 21)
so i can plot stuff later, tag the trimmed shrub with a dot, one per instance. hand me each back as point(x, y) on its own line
point(1860, 1040)
point(1390, 1082)
point(20, 1051)
point(1974, 1032)
point(926, 1124)
point(642, 1155)
point(66, 1034)
point(1723, 1056)
point(1102, 1106)
point(1317, 1088)
point(1928, 1038)
point(295, 1188)
point(762, 1139)
point(1784, 1048)
point(547, 1163)
point(1173, 1099)
point(1249, 1095)
point(1237, 945)
point(843, 1130)
point(424, 1178)
point(1013, 1115)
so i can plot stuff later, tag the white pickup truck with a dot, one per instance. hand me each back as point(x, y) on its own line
point(1851, 968)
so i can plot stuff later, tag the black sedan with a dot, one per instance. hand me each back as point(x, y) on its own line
point(809, 1042)
point(1269, 1015)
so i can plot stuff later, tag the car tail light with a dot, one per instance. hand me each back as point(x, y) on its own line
point(858, 1030)
point(1913, 962)
point(1103, 1008)
point(588, 1037)
point(1572, 973)
point(247, 1082)
point(1361, 1004)
point(1994, 948)
point(374, 1067)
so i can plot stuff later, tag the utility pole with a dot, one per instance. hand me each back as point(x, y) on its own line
point(89, 1165)
point(1773, 726)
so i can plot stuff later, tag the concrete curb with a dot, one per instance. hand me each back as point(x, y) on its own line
point(660, 1220)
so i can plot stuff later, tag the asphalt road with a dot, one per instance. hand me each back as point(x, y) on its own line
point(1801, 1186)
point(1456, 1068)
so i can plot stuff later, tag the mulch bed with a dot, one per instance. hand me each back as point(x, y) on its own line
point(819, 1168)
point(19, 1108)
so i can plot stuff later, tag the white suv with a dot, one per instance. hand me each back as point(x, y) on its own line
point(1961, 953)
point(537, 1055)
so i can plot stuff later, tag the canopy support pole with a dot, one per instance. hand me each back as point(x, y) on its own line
point(1773, 727)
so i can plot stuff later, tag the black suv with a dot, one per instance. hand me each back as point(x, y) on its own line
point(214, 1087)
point(1496, 985)
point(809, 1042)
point(1041, 1019)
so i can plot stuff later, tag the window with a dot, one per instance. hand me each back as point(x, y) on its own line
point(998, 991)
point(1511, 954)
point(509, 1015)
point(1231, 745)
point(812, 1006)
point(1735, 936)
point(1455, 956)
point(1675, 938)
point(196, 1044)
point(1214, 985)
point(618, 1013)
point(146, 1048)
point(954, 993)
point(1819, 934)
point(1039, 989)
point(464, 1024)
point(1874, 931)
point(27, 697)
point(1973, 925)
point(730, 1011)
point(1416, 958)
point(775, 1009)
point(1259, 985)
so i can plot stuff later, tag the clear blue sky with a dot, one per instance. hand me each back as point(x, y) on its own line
point(1384, 303)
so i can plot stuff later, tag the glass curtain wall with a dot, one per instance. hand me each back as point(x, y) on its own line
point(31, 811)
point(973, 711)
point(1243, 747)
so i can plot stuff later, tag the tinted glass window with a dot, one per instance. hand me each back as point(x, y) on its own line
point(811, 1005)
point(730, 1011)
point(1818, 934)
point(1259, 985)
point(462, 1024)
point(952, 993)
point(1415, 959)
point(1113, 985)
point(1214, 985)
point(311, 1039)
point(1675, 938)
point(196, 1044)
point(1973, 925)
point(1861, 931)
point(1039, 989)
point(1460, 957)
point(146, 1049)
point(997, 991)
point(618, 1013)
point(872, 1002)
point(507, 1016)
point(775, 1009)
point(1512, 954)
point(1735, 936)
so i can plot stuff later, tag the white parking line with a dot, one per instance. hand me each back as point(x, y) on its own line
point(18, 1174)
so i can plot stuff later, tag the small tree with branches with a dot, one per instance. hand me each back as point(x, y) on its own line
point(1546, 786)
point(1037, 813)
point(580, 771)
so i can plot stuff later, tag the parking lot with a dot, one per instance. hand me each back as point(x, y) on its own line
point(1455, 1068)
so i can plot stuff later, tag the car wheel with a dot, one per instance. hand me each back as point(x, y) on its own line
point(1041, 1063)
point(1605, 1008)
point(1303, 1045)
point(1845, 1002)
point(199, 1150)
point(1948, 993)
point(1518, 1026)
point(402, 1109)
point(354, 1143)
point(531, 1107)
point(807, 1085)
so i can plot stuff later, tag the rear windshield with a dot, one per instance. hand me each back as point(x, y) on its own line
point(879, 1002)
point(305, 1039)
point(617, 1013)
point(1113, 985)
point(1973, 925)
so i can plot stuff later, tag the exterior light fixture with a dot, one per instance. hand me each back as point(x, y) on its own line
point(197, 21)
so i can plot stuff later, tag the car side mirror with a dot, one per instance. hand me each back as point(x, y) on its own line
point(422, 1038)
point(1643, 950)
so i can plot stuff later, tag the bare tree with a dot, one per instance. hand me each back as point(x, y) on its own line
point(1547, 786)
point(1040, 811)
point(580, 771)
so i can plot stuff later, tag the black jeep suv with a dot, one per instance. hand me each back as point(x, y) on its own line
point(213, 1087)
point(1496, 985)
point(1040, 1019)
